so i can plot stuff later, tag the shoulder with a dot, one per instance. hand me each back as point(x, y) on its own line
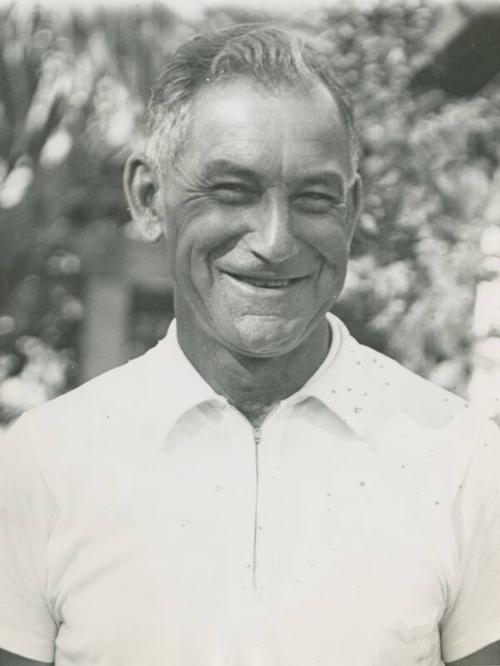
point(94, 421)
point(410, 421)
point(403, 389)
point(389, 391)
point(108, 396)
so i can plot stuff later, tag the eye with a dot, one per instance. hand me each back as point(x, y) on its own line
point(317, 202)
point(233, 193)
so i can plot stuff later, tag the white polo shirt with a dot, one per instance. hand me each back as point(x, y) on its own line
point(142, 525)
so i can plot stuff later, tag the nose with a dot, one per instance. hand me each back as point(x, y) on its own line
point(272, 239)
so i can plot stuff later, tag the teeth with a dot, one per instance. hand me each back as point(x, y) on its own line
point(271, 284)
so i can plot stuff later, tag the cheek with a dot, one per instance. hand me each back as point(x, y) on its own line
point(203, 233)
point(329, 240)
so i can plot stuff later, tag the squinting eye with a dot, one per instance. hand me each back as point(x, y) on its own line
point(317, 202)
point(233, 193)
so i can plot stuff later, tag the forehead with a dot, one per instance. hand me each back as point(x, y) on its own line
point(284, 131)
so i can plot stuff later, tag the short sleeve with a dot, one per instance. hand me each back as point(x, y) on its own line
point(26, 508)
point(473, 620)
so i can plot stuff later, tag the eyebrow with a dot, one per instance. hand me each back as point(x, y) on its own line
point(228, 168)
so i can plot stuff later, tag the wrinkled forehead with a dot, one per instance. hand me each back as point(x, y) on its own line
point(243, 122)
point(229, 92)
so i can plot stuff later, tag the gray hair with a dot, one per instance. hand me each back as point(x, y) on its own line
point(270, 54)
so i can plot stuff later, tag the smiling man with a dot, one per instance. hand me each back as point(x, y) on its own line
point(259, 489)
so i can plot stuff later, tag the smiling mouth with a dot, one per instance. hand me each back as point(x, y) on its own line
point(265, 283)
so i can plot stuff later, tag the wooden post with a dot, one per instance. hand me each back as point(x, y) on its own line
point(484, 385)
point(104, 336)
point(114, 266)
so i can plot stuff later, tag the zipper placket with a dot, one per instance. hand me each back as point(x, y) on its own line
point(257, 436)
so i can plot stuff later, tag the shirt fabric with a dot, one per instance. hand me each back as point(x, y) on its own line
point(144, 521)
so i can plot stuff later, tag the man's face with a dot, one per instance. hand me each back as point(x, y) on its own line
point(258, 216)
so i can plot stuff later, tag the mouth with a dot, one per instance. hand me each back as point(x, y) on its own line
point(265, 282)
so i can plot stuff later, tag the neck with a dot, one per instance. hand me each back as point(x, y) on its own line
point(253, 384)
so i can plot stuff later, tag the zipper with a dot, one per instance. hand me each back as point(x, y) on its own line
point(257, 436)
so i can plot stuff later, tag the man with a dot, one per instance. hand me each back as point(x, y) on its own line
point(259, 488)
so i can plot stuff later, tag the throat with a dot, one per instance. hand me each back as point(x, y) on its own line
point(256, 414)
point(252, 384)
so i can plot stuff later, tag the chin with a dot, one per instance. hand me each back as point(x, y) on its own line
point(265, 336)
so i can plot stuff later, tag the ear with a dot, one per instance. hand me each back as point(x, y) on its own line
point(142, 190)
point(355, 203)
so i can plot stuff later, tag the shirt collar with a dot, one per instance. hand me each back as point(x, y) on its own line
point(337, 383)
point(178, 385)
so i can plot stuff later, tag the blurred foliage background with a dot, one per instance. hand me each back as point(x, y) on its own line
point(72, 89)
